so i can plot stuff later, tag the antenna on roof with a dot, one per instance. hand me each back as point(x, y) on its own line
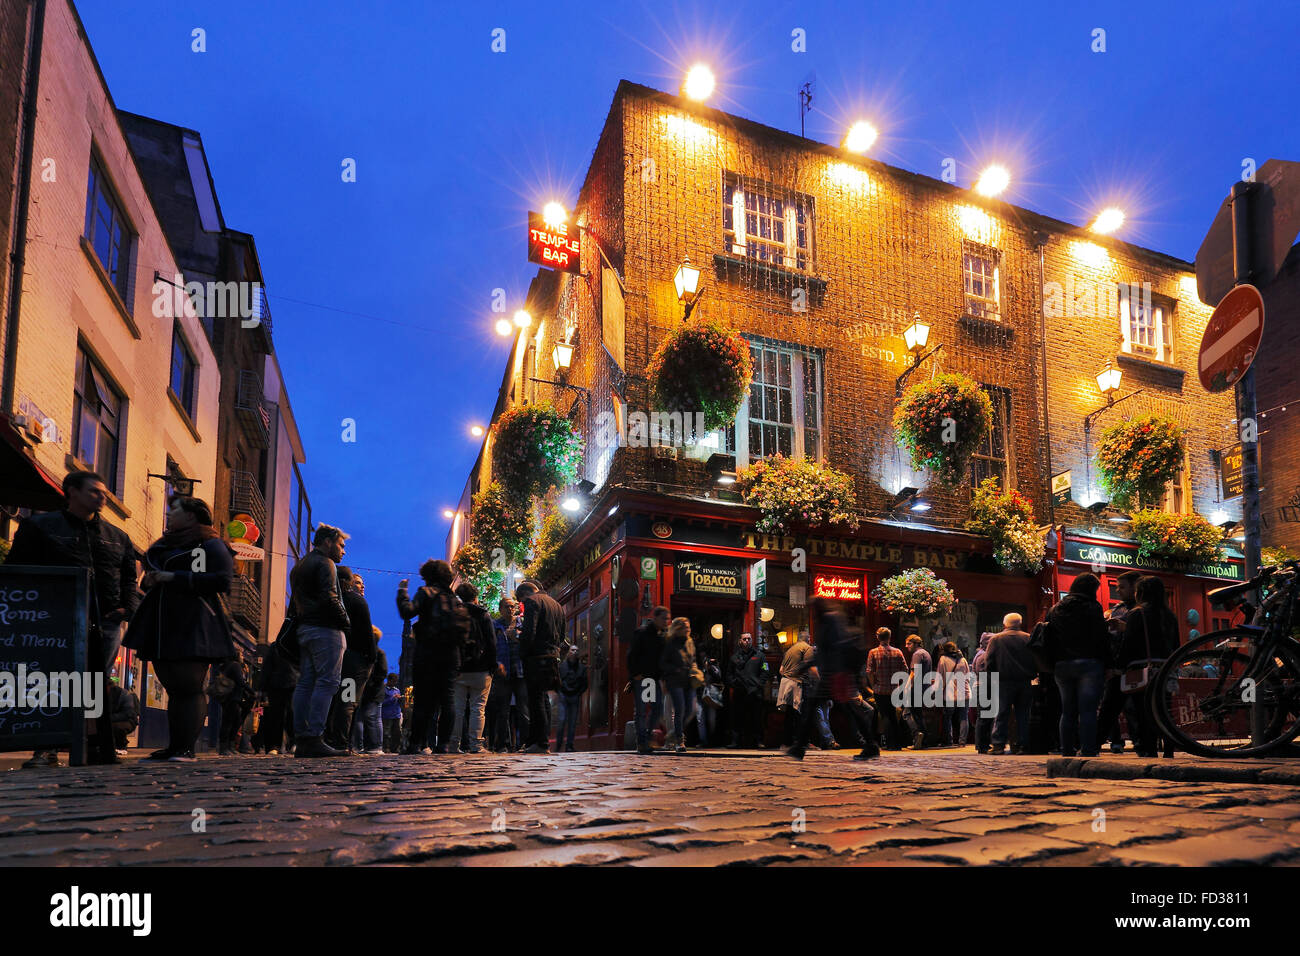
point(806, 98)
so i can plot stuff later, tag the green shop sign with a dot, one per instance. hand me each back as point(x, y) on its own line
point(1124, 554)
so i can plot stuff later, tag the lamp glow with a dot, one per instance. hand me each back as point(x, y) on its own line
point(523, 319)
point(570, 504)
point(1108, 380)
point(554, 214)
point(916, 335)
point(993, 180)
point(1108, 220)
point(562, 354)
point(698, 84)
point(448, 513)
point(716, 631)
point(767, 614)
point(476, 431)
point(504, 327)
point(687, 282)
point(860, 137)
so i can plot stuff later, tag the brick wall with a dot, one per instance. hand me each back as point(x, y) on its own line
point(1277, 393)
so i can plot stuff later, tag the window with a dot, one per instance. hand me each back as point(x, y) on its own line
point(979, 273)
point(184, 371)
point(990, 458)
point(784, 411)
point(767, 223)
point(96, 420)
point(107, 230)
point(1146, 323)
point(1178, 493)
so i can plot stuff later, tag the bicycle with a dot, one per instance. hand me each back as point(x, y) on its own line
point(1236, 692)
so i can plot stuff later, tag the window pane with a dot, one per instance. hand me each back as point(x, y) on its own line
point(785, 441)
point(811, 443)
point(771, 401)
point(755, 440)
point(755, 401)
point(787, 407)
point(784, 369)
point(87, 431)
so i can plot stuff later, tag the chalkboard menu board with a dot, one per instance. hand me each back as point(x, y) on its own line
point(43, 677)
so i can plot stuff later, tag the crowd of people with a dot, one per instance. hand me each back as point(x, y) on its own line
point(485, 682)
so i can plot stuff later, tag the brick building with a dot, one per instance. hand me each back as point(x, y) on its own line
point(820, 259)
point(1277, 392)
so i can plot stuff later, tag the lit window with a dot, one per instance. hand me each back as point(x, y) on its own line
point(1146, 323)
point(767, 223)
point(184, 372)
point(96, 420)
point(107, 230)
point(990, 459)
point(979, 272)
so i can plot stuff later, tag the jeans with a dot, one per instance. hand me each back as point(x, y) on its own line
point(955, 725)
point(1113, 703)
point(706, 720)
point(861, 714)
point(541, 675)
point(347, 700)
point(367, 728)
point(111, 641)
point(1080, 683)
point(318, 678)
point(570, 707)
point(823, 712)
point(503, 736)
point(683, 701)
point(888, 719)
point(392, 734)
point(1017, 694)
point(645, 713)
point(472, 688)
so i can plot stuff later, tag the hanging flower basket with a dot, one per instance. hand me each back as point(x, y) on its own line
point(701, 368)
point(534, 448)
point(473, 563)
point(917, 592)
point(793, 491)
point(1007, 519)
point(546, 546)
point(1138, 458)
point(497, 521)
point(941, 422)
point(1177, 537)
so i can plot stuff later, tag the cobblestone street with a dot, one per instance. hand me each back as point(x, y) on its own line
point(616, 808)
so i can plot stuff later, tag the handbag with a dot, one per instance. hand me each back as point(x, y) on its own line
point(286, 641)
point(697, 677)
point(712, 696)
point(220, 686)
point(1138, 674)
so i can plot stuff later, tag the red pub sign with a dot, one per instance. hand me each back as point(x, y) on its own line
point(552, 245)
point(838, 587)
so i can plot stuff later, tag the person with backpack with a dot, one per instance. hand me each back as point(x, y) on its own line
point(441, 629)
point(321, 629)
point(1075, 644)
point(358, 660)
point(573, 684)
point(539, 643)
point(478, 662)
point(954, 678)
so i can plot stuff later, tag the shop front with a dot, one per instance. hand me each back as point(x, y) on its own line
point(1186, 585)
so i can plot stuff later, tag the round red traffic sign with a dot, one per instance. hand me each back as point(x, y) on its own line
point(1231, 339)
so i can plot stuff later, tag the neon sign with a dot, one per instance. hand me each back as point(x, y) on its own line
point(552, 245)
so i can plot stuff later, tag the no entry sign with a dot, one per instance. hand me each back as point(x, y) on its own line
point(1231, 339)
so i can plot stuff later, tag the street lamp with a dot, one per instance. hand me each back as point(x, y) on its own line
point(687, 282)
point(1108, 380)
point(1108, 220)
point(448, 513)
point(859, 137)
point(504, 327)
point(992, 181)
point(915, 336)
point(554, 215)
point(698, 84)
point(476, 431)
point(562, 355)
point(523, 319)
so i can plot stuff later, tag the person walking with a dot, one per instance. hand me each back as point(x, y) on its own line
point(279, 678)
point(323, 626)
point(979, 666)
point(885, 664)
point(573, 684)
point(1077, 647)
point(1112, 698)
point(77, 536)
point(710, 702)
point(358, 660)
point(839, 661)
point(181, 626)
point(367, 726)
point(229, 687)
point(508, 683)
point(539, 643)
point(954, 675)
point(391, 714)
point(795, 663)
point(643, 662)
point(441, 630)
point(474, 682)
point(676, 667)
point(1150, 633)
point(1010, 659)
point(747, 679)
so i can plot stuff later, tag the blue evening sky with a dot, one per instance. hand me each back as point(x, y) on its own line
point(381, 289)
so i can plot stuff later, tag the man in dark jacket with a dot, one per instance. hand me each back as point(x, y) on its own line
point(1010, 659)
point(1112, 698)
point(747, 679)
point(322, 637)
point(78, 537)
point(473, 684)
point(573, 684)
point(643, 669)
point(539, 643)
point(508, 682)
point(440, 629)
point(358, 659)
point(840, 658)
point(1077, 647)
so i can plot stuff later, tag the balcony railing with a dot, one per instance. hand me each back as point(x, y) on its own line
point(262, 312)
point(246, 496)
point(251, 408)
point(245, 601)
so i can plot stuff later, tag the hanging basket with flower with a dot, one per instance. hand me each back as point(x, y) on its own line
point(1176, 537)
point(941, 422)
point(797, 491)
point(1007, 519)
point(546, 546)
point(701, 368)
point(916, 592)
point(534, 448)
point(474, 563)
point(1138, 458)
point(497, 521)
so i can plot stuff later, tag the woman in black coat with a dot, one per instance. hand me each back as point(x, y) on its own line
point(181, 625)
point(1151, 622)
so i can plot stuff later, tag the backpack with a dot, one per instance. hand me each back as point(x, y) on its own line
point(480, 637)
point(450, 625)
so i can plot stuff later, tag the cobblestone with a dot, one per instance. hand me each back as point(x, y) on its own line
point(618, 808)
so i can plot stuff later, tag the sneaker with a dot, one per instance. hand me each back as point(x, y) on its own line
point(1117, 748)
point(472, 750)
point(121, 753)
point(537, 749)
point(273, 753)
point(160, 754)
point(44, 758)
point(867, 754)
point(918, 741)
point(681, 748)
point(184, 756)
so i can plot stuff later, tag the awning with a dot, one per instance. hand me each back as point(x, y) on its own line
point(23, 482)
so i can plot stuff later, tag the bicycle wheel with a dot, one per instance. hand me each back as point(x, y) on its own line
point(1203, 698)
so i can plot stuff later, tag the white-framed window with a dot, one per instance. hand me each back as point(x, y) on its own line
point(1178, 493)
point(980, 281)
point(783, 413)
point(1145, 323)
point(765, 222)
point(990, 459)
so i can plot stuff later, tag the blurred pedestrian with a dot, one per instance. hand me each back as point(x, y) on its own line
point(508, 684)
point(124, 707)
point(676, 668)
point(229, 687)
point(1112, 697)
point(279, 678)
point(643, 662)
point(1150, 637)
point(840, 659)
point(573, 684)
point(367, 726)
point(795, 664)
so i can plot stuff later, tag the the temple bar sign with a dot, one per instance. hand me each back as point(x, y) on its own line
point(709, 577)
point(556, 245)
point(886, 552)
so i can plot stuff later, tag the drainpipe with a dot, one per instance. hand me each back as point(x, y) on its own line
point(1040, 240)
point(18, 248)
